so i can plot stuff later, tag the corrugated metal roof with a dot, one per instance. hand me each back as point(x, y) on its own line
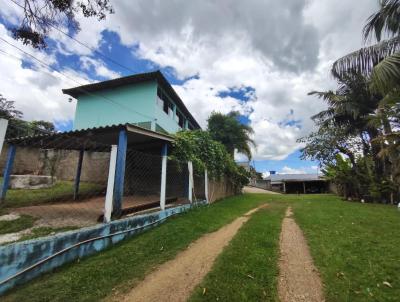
point(51, 134)
point(133, 79)
point(294, 177)
point(93, 138)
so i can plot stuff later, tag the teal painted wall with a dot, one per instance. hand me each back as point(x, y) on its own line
point(165, 121)
point(126, 104)
point(130, 104)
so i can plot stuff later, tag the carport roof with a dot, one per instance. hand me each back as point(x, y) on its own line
point(279, 178)
point(93, 139)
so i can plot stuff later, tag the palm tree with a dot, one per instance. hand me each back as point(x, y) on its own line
point(380, 62)
point(228, 130)
point(352, 108)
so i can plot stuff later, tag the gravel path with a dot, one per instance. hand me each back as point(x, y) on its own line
point(298, 279)
point(175, 280)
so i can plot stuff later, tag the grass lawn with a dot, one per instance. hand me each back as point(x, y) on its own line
point(61, 191)
point(19, 224)
point(247, 270)
point(355, 247)
point(125, 264)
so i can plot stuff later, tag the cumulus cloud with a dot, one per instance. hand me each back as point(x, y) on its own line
point(288, 170)
point(35, 89)
point(90, 64)
point(282, 50)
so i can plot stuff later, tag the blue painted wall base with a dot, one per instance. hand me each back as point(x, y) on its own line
point(16, 257)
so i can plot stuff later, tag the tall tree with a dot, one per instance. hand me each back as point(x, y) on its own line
point(351, 125)
point(39, 17)
point(228, 130)
point(7, 109)
point(18, 127)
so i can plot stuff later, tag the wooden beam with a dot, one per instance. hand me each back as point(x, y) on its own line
point(153, 134)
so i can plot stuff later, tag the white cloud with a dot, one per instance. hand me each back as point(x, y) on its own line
point(35, 89)
point(265, 174)
point(288, 170)
point(281, 49)
point(99, 68)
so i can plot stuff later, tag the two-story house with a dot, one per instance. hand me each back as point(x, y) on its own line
point(146, 100)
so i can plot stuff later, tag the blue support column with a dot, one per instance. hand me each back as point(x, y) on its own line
point(120, 173)
point(78, 174)
point(7, 171)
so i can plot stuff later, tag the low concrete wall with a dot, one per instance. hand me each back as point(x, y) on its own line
point(219, 189)
point(68, 246)
point(61, 163)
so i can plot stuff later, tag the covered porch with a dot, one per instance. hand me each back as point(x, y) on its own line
point(137, 175)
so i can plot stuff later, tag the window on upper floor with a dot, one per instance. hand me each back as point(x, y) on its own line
point(164, 103)
point(180, 119)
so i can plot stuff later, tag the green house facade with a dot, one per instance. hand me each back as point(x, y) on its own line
point(146, 100)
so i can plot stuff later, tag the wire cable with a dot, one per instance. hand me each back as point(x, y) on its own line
point(81, 43)
point(72, 79)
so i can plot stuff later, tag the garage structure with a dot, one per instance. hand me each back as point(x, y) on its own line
point(297, 183)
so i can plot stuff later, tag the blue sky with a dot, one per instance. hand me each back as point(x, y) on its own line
point(217, 57)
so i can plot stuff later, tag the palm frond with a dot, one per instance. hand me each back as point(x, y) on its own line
point(385, 75)
point(385, 20)
point(363, 60)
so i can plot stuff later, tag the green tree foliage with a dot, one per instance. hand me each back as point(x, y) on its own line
point(18, 127)
point(380, 61)
point(227, 129)
point(363, 116)
point(39, 17)
point(358, 126)
point(205, 153)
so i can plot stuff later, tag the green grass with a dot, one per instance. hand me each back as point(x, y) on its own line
point(61, 191)
point(125, 264)
point(19, 224)
point(355, 246)
point(247, 270)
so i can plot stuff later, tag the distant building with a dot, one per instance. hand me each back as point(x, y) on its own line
point(297, 183)
point(146, 100)
point(245, 165)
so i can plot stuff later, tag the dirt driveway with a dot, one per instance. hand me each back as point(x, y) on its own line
point(248, 189)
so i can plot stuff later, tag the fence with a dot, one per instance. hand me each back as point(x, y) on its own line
point(62, 188)
point(54, 183)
